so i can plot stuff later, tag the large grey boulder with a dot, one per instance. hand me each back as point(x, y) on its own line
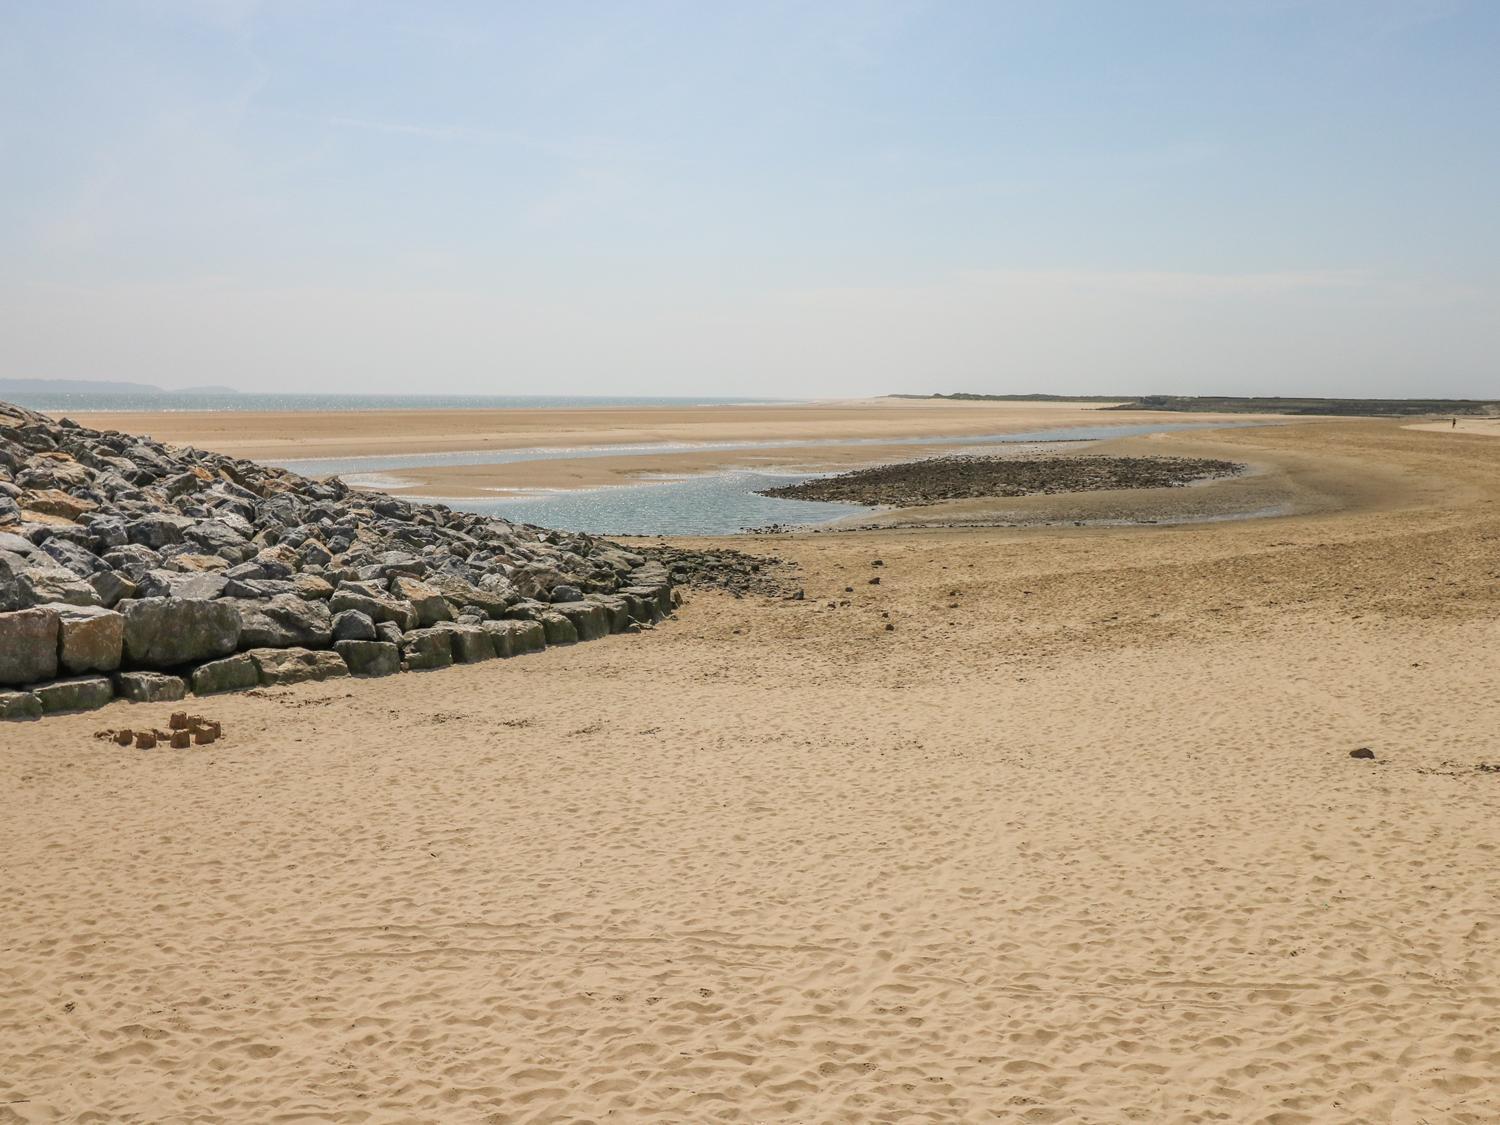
point(616, 608)
point(589, 620)
point(218, 537)
point(162, 583)
point(313, 587)
point(82, 693)
point(429, 603)
point(235, 673)
point(133, 561)
point(16, 544)
point(422, 649)
point(29, 582)
point(558, 629)
point(459, 594)
point(369, 658)
point(278, 561)
point(351, 625)
point(73, 557)
point(149, 687)
point(512, 638)
point(166, 632)
point(374, 607)
point(641, 609)
point(28, 646)
point(258, 588)
point(294, 665)
point(112, 587)
point(90, 638)
point(286, 621)
point(527, 636)
point(157, 530)
point(660, 595)
point(57, 584)
point(470, 643)
point(17, 705)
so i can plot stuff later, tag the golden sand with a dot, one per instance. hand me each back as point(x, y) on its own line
point(1079, 841)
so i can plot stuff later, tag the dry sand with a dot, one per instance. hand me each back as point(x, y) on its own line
point(1490, 427)
point(1080, 841)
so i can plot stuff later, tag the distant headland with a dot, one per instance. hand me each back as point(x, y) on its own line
point(1233, 404)
point(101, 387)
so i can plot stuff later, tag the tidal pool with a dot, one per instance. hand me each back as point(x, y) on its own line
point(717, 503)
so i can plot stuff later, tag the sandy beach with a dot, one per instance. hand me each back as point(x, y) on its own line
point(1079, 840)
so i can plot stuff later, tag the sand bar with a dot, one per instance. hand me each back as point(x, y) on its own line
point(288, 436)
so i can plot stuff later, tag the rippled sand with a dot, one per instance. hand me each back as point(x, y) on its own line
point(1079, 841)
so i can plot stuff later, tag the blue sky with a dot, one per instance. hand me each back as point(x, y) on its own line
point(778, 198)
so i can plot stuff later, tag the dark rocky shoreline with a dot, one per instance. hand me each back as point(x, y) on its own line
point(912, 484)
point(136, 570)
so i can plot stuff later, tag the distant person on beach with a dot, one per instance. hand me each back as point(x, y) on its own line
point(1455, 423)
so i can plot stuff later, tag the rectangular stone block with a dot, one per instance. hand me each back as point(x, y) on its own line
point(82, 693)
point(28, 645)
point(91, 638)
point(17, 705)
point(149, 687)
point(235, 673)
point(369, 658)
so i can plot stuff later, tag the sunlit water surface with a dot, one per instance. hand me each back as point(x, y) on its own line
point(716, 503)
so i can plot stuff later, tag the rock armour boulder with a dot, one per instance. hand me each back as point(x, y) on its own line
point(81, 693)
point(90, 639)
point(236, 673)
point(149, 687)
point(156, 564)
point(370, 658)
point(294, 665)
point(285, 621)
point(167, 632)
point(28, 645)
point(19, 705)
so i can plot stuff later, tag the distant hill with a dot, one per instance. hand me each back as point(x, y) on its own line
point(964, 396)
point(1232, 404)
point(100, 387)
point(1360, 407)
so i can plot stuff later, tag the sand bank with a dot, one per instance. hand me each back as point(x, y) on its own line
point(1488, 427)
point(1079, 841)
point(273, 435)
point(282, 436)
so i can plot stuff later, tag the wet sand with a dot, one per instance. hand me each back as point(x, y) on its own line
point(282, 436)
point(1079, 841)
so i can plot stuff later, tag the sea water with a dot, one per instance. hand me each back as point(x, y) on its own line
point(717, 503)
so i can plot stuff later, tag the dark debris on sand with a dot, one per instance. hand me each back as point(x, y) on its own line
point(723, 569)
point(912, 484)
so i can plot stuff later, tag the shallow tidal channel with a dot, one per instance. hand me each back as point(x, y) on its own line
point(723, 502)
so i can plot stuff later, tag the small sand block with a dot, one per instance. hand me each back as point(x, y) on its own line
point(145, 740)
point(204, 735)
point(124, 737)
point(179, 720)
point(181, 740)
